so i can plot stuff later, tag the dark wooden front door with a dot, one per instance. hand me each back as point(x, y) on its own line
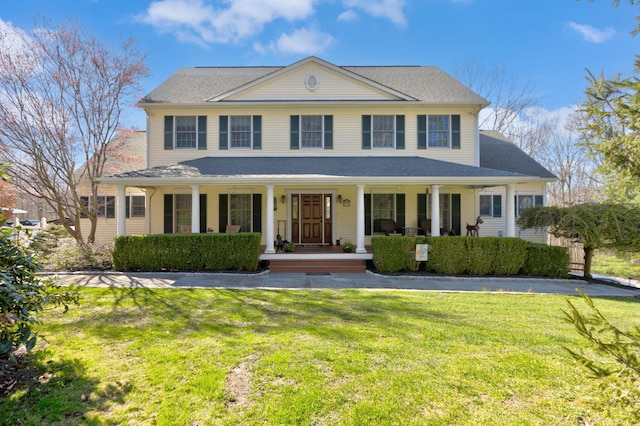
point(311, 226)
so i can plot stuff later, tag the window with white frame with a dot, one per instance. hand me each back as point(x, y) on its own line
point(383, 207)
point(105, 206)
point(490, 205)
point(182, 213)
point(525, 201)
point(383, 131)
point(439, 131)
point(136, 205)
point(186, 132)
point(240, 131)
point(240, 211)
point(311, 131)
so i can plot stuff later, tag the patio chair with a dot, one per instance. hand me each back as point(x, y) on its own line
point(232, 229)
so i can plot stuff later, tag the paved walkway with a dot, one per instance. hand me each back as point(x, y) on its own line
point(366, 280)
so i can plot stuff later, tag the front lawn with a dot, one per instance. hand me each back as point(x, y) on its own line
point(350, 357)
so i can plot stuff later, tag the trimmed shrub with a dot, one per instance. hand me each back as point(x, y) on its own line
point(511, 255)
point(187, 252)
point(546, 261)
point(392, 254)
point(447, 255)
point(481, 255)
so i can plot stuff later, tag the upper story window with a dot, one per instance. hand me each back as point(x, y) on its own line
point(240, 132)
point(438, 131)
point(383, 131)
point(185, 132)
point(240, 129)
point(311, 132)
point(490, 205)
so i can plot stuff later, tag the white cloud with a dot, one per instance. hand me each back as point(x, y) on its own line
point(199, 21)
point(390, 9)
point(304, 41)
point(348, 16)
point(590, 33)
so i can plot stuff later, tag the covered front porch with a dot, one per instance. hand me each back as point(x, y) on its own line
point(318, 200)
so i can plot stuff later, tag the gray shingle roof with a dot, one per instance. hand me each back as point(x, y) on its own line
point(424, 83)
point(500, 154)
point(224, 167)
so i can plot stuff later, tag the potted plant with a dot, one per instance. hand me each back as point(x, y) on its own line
point(347, 247)
point(288, 246)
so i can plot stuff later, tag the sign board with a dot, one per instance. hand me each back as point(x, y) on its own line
point(422, 252)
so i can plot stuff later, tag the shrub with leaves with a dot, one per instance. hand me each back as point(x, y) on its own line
point(616, 360)
point(23, 294)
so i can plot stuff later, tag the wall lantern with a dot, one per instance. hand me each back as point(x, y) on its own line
point(339, 199)
point(283, 199)
point(346, 202)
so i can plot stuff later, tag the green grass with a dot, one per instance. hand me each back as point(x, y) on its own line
point(259, 357)
point(616, 265)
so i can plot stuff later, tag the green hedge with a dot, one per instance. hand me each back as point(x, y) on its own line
point(187, 252)
point(546, 261)
point(470, 256)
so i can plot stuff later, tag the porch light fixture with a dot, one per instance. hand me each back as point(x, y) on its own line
point(339, 199)
point(346, 202)
point(283, 199)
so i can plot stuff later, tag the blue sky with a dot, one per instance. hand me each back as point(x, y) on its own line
point(546, 42)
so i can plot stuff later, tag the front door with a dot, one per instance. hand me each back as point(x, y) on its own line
point(311, 219)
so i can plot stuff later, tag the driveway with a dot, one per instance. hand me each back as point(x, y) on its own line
point(367, 280)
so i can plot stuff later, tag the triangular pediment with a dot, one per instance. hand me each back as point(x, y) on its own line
point(312, 79)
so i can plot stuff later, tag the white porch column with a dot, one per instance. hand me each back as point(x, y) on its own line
point(435, 210)
point(269, 247)
point(121, 223)
point(511, 211)
point(195, 209)
point(360, 248)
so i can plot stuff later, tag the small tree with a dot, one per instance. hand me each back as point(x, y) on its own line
point(594, 225)
point(62, 97)
point(619, 365)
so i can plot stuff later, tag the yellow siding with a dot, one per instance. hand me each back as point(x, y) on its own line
point(331, 85)
point(347, 133)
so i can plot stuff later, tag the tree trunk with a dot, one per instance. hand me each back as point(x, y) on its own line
point(588, 257)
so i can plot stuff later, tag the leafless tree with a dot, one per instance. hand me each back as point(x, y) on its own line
point(576, 172)
point(62, 96)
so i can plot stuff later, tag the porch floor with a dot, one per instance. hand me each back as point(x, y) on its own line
point(317, 259)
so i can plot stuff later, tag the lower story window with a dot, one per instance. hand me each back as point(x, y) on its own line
point(240, 211)
point(382, 208)
point(183, 213)
point(526, 201)
point(105, 206)
point(490, 205)
point(135, 205)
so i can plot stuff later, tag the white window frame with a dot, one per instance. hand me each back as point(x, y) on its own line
point(448, 132)
point(175, 132)
point(231, 131)
point(131, 206)
point(231, 210)
point(525, 194)
point(302, 131)
point(373, 131)
point(491, 196)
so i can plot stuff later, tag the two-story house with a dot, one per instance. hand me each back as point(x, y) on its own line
point(320, 153)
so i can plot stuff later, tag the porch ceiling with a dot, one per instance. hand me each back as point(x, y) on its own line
point(319, 170)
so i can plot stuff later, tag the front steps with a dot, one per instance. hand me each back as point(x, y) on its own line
point(316, 265)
